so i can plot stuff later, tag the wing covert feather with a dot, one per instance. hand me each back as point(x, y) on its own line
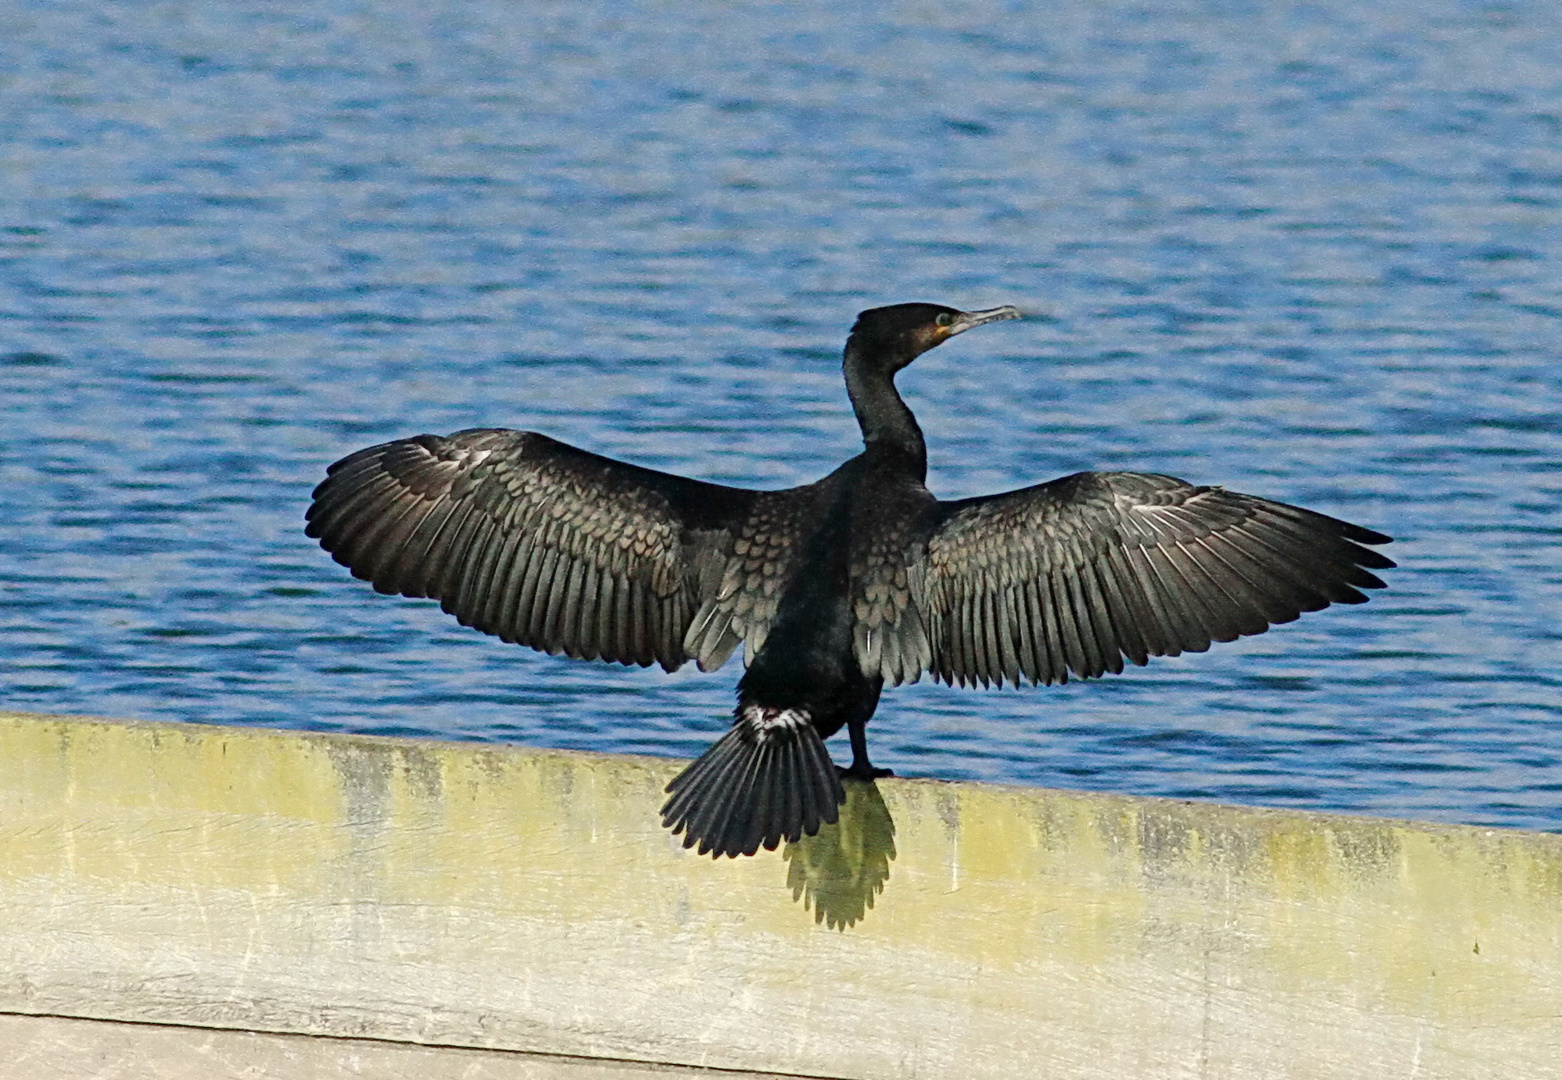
point(740, 600)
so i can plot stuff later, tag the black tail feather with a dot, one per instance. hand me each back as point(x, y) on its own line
point(827, 783)
point(768, 779)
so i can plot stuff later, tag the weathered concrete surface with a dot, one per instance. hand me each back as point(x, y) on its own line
point(63, 1048)
point(528, 900)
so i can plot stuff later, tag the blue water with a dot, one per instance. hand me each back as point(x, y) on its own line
point(1307, 251)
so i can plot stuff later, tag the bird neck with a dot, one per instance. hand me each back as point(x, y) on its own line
point(888, 427)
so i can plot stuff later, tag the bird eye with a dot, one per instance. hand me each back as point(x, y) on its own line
point(944, 318)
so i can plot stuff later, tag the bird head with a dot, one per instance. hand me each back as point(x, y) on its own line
point(896, 335)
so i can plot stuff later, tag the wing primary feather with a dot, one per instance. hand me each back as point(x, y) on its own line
point(1243, 608)
point(976, 661)
point(982, 621)
point(1068, 622)
point(1008, 635)
point(1192, 632)
point(638, 601)
point(491, 604)
point(1029, 637)
point(623, 596)
point(530, 575)
point(414, 565)
point(1109, 629)
point(1217, 612)
point(993, 609)
point(920, 654)
point(341, 511)
point(445, 559)
point(383, 548)
point(544, 562)
point(1334, 558)
point(659, 611)
point(373, 545)
point(1095, 630)
point(696, 642)
point(485, 581)
point(1259, 586)
point(971, 620)
point(889, 652)
point(505, 610)
point(1053, 619)
point(551, 590)
point(1085, 622)
point(570, 629)
point(1167, 618)
point(347, 474)
point(1127, 634)
point(590, 618)
point(607, 616)
point(458, 601)
point(1329, 526)
point(958, 640)
point(1317, 570)
point(955, 634)
point(1286, 579)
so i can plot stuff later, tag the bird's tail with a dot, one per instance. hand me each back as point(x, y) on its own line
point(768, 779)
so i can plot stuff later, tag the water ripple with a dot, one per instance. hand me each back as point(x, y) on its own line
point(1304, 253)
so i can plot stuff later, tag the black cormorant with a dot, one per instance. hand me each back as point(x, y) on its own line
point(834, 588)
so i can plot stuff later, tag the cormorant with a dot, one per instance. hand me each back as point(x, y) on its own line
point(834, 588)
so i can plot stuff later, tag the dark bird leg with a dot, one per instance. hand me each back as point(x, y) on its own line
point(861, 768)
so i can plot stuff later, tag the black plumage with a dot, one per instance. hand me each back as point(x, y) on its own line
point(835, 588)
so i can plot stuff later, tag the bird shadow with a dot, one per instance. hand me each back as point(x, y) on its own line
point(841, 869)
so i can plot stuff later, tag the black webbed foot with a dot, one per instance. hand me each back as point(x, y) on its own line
point(862, 771)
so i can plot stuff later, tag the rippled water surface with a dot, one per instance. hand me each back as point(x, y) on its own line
point(1310, 253)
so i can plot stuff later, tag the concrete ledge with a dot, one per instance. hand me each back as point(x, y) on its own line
point(520, 900)
point(64, 1048)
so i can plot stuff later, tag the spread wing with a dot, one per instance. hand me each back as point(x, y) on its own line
point(1073, 575)
point(540, 543)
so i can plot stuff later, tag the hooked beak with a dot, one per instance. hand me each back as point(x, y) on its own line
point(968, 319)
